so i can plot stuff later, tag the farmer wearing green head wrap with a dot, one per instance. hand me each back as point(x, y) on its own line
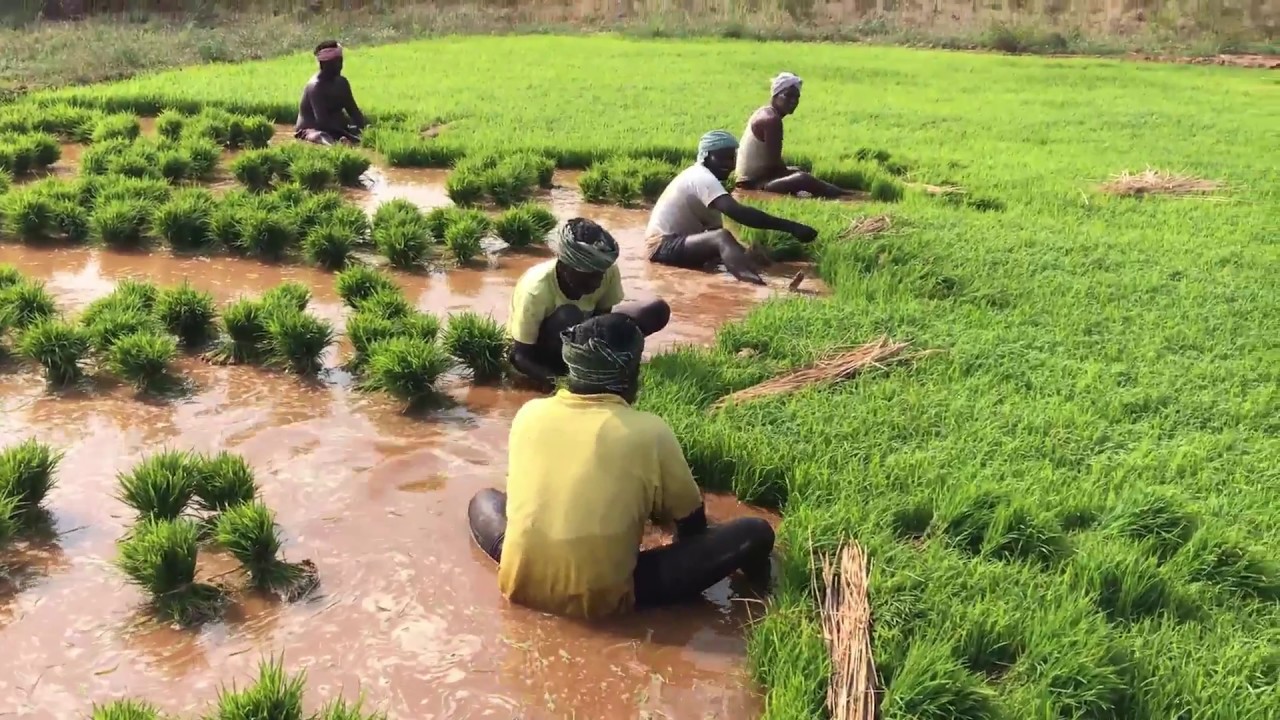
point(686, 228)
point(586, 472)
point(583, 280)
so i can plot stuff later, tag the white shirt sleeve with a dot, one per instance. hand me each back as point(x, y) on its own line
point(706, 187)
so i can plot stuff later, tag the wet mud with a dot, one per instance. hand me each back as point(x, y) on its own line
point(408, 611)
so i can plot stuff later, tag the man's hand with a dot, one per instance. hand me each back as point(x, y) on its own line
point(804, 233)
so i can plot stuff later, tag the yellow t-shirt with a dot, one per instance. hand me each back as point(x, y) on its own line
point(585, 473)
point(537, 295)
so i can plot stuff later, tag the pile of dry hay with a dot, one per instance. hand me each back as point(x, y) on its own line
point(867, 226)
point(846, 627)
point(834, 366)
point(1155, 182)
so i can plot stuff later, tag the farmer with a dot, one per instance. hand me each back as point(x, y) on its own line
point(686, 229)
point(583, 280)
point(585, 472)
point(760, 165)
point(328, 113)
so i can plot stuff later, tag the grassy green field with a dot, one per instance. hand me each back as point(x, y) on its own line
point(1072, 512)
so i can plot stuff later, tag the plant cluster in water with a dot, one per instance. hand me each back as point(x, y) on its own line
point(503, 180)
point(305, 165)
point(626, 181)
point(27, 474)
point(274, 330)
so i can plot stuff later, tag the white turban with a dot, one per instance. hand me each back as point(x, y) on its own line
point(786, 81)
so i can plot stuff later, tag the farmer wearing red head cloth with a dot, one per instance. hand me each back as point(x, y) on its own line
point(328, 113)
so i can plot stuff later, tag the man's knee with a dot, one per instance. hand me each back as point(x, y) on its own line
point(724, 238)
point(654, 316)
point(753, 534)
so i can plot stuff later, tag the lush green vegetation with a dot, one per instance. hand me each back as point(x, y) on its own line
point(1072, 512)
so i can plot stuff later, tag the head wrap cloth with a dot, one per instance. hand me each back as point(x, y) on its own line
point(785, 81)
point(585, 246)
point(596, 364)
point(715, 140)
point(328, 54)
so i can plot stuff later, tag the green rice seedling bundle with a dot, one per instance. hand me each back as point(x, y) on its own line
point(315, 208)
point(464, 236)
point(97, 159)
point(389, 303)
point(405, 147)
point(653, 176)
point(161, 485)
point(512, 179)
point(8, 518)
point(354, 220)
point(465, 185)
point(365, 329)
point(174, 165)
point(478, 342)
point(437, 221)
point(256, 131)
point(159, 556)
point(296, 341)
point(265, 234)
point(254, 169)
point(183, 221)
point(228, 129)
point(121, 224)
point(349, 165)
point(29, 152)
point(1227, 560)
point(28, 216)
point(117, 126)
point(106, 327)
point(58, 346)
point(24, 303)
point(273, 696)
point(27, 474)
point(6, 181)
point(329, 245)
point(288, 295)
point(139, 160)
point(188, 313)
point(886, 189)
point(203, 156)
point(406, 368)
point(249, 532)
point(170, 124)
point(850, 176)
point(339, 709)
point(143, 358)
point(70, 221)
point(64, 120)
point(148, 191)
point(312, 172)
point(9, 276)
point(525, 225)
point(403, 243)
point(126, 710)
point(358, 282)
point(224, 481)
point(397, 211)
point(624, 189)
point(594, 184)
point(244, 331)
point(129, 294)
point(224, 222)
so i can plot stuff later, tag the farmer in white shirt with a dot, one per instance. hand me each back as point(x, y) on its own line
point(686, 229)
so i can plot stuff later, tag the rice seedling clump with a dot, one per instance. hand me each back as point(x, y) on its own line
point(9, 276)
point(114, 321)
point(273, 696)
point(28, 216)
point(329, 245)
point(254, 169)
point(312, 172)
point(625, 181)
point(59, 347)
point(126, 710)
point(478, 342)
point(265, 234)
point(288, 295)
point(24, 303)
point(183, 222)
point(249, 532)
point(525, 225)
point(465, 186)
point(169, 125)
point(224, 481)
point(357, 283)
point(143, 358)
point(159, 556)
point(405, 367)
point(404, 244)
point(161, 486)
point(189, 314)
point(202, 156)
point(27, 474)
point(121, 224)
point(296, 341)
point(118, 126)
point(244, 331)
point(464, 238)
point(388, 303)
point(349, 166)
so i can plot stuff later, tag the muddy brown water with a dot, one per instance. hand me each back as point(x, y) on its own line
point(408, 611)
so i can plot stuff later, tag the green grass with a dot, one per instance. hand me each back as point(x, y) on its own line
point(1029, 560)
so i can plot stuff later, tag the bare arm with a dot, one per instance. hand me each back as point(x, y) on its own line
point(353, 110)
point(755, 218)
point(693, 525)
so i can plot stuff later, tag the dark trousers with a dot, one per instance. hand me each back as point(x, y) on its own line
point(666, 575)
point(650, 315)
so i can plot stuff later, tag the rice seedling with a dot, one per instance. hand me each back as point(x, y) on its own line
point(313, 172)
point(288, 295)
point(509, 183)
point(396, 211)
point(9, 276)
point(387, 303)
point(406, 368)
point(349, 165)
point(774, 245)
point(848, 176)
point(70, 220)
point(224, 481)
point(114, 321)
point(297, 341)
point(170, 124)
point(159, 556)
point(38, 150)
point(1224, 559)
point(339, 709)
point(249, 532)
point(256, 132)
point(140, 294)
point(29, 216)
point(183, 221)
point(6, 180)
point(143, 359)
point(161, 486)
point(1155, 517)
point(150, 191)
point(188, 313)
point(27, 474)
point(174, 166)
point(478, 342)
point(121, 224)
point(594, 184)
point(329, 246)
point(437, 221)
point(264, 234)
point(96, 160)
point(354, 221)
point(465, 187)
point(203, 156)
point(464, 236)
point(525, 225)
point(403, 243)
point(273, 696)
point(886, 190)
point(119, 126)
point(58, 346)
point(624, 190)
point(125, 710)
point(24, 303)
point(313, 208)
point(358, 282)
point(254, 169)
point(244, 330)
point(364, 329)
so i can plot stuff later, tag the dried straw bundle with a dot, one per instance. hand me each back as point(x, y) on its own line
point(867, 226)
point(836, 365)
point(1155, 182)
point(846, 627)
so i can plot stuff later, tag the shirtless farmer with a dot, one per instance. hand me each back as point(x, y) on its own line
point(686, 229)
point(760, 165)
point(327, 113)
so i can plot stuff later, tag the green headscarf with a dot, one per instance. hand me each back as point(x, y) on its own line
point(585, 246)
point(715, 140)
point(595, 363)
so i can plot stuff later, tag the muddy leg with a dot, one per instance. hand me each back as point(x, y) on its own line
point(549, 345)
point(650, 315)
point(681, 571)
point(487, 516)
point(799, 182)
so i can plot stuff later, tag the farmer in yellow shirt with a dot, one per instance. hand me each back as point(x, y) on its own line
point(583, 280)
point(585, 472)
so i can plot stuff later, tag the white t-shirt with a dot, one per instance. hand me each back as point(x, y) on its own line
point(684, 208)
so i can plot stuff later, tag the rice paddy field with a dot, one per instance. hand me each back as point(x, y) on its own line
point(1070, 509)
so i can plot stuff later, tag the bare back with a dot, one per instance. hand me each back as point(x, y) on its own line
point(760, 152)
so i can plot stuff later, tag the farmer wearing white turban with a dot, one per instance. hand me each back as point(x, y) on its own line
point(327, 113)
point(760, 165)
point(686, 227)
point(581, 282)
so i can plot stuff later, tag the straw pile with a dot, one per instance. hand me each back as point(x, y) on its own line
point(1155, 182)
point(846, 627)
point(867, 226)
point(835, 366)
